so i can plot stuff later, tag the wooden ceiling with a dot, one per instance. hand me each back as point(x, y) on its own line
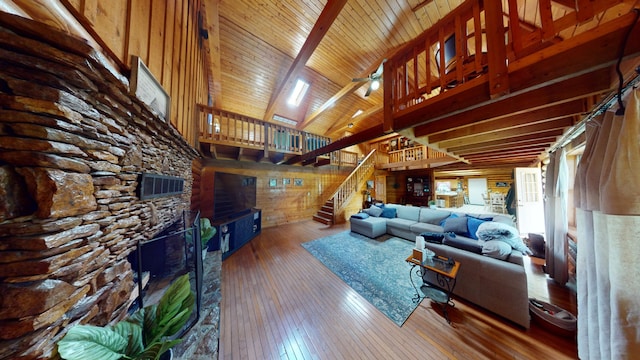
point(260, 48)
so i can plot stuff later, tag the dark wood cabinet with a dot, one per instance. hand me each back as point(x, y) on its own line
point(232, 234)
point(418, 191)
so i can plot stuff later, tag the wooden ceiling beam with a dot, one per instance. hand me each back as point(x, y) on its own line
point(517, 146)
point(570, 89)
point(507, 153)
point(343, 124)
point(345, 91)
point(509, 142)
point(553, 112)
point(319, 30)
point(508, 133)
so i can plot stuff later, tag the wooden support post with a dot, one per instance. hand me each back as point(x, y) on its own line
point(496, 50)
point(388, 95)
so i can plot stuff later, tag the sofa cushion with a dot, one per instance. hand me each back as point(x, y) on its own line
point(496, 249)
point(463, 243)
point(433, 216)
point(375, 211)
point(409, 212)
point(399, 223)
point(362, 215)
point(388, 212)
point(421, 227)
point(457, 225)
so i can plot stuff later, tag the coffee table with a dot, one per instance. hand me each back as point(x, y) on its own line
point(446, 271)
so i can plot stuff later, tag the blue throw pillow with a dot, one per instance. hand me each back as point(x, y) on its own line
point(472, 225)
point(361, 215)
point(452, 216)
point(388, 212)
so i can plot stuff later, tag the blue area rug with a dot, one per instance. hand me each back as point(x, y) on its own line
point(375, 268)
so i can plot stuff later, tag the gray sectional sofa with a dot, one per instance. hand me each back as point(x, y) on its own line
point(491, 274)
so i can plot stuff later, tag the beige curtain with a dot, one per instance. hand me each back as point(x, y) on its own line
point(556, 222)
point(608, 208)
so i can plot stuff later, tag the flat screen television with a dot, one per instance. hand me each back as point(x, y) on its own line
point(233, 196)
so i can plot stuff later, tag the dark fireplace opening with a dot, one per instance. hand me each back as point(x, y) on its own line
point(157, 262)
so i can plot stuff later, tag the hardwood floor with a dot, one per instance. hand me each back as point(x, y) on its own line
point(279, 302)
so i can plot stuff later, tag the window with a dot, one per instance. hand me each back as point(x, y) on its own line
point(298, 93)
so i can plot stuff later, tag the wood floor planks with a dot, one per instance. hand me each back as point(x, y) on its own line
point(280, 302)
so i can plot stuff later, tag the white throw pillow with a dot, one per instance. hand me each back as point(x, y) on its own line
point(496, 249)
point(375, 211)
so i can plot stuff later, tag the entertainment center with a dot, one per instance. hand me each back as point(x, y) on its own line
point(235, 216)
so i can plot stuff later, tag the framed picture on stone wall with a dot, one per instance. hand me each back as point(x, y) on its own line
point(286, 181)
point(273, 182)
point(297, 182)
point(148, 89)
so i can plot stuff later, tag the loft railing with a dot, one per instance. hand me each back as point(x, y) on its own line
point(344, 158)
point(223, 127)
point(351, 184)
point(475, 41)
point(415, 153)
point(451, 52)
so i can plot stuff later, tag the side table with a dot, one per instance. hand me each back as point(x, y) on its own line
point(446, 272)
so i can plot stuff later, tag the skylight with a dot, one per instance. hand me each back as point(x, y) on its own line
point(298, 93)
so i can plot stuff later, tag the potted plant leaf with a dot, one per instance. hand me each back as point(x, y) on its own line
point(146, 334)
point(206, 232)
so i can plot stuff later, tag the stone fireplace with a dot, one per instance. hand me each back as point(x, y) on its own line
point(73, 143)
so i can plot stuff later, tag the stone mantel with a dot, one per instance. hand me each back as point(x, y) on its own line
point(73, 143)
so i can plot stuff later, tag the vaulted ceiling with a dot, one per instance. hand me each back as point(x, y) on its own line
point(260, 48)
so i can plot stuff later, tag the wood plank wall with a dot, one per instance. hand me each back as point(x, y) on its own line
point(163, 33)
point(282, 203)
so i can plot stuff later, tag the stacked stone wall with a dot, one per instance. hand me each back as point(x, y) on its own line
point(73, 143)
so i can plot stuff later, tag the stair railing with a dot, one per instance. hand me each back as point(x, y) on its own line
point(350, 185)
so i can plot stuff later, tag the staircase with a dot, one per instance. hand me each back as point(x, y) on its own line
point(346, 190)
point(325, 214)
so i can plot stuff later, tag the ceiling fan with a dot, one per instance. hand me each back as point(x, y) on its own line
point(374, 79)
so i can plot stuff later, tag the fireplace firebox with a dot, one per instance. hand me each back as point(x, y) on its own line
point(175, 251)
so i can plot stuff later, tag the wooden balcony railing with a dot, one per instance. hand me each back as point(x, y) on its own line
point(350, 185)
point(227, 128)
point(223, 127)
point(475, 41)
point(415, 153)
point(344, 158)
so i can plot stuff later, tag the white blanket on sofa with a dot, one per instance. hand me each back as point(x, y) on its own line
point(490, 230)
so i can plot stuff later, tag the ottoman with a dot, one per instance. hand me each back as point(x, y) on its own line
point(371, 226)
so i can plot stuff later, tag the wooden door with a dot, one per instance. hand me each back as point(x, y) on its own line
point(381, 188)
point(530, 208)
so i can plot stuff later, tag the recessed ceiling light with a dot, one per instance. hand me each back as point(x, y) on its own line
point(357, 113)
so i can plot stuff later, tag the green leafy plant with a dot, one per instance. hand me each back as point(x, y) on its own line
point(206, 231)
point(145, 335)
